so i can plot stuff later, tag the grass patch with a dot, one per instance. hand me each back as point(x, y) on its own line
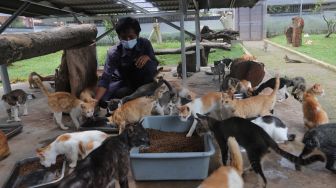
point(322, 48)
point(46, 65)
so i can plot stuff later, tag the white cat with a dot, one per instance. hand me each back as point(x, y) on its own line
point(275, 128)
point(71, 145)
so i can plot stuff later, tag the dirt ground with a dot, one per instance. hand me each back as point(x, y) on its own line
point(39, 127)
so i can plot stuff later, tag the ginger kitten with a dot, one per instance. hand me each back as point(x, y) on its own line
point(260, 105)
point(207, 103)
point(60, 102)
point(89, 104)
point(313, 113)
point(227, 176)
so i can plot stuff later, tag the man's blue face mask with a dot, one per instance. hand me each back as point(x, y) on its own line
point(129, 44)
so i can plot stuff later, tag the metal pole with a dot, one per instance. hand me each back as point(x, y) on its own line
point(198, 37)
point(3, 67)
point(182, 38)
point(301, 9)
point(5, 79)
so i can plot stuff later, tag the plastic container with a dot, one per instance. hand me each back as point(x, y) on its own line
point(40, 175)
point(171, 166)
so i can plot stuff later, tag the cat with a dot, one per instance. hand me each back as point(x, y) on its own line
point(89, 105)
point(282, 93)
point(14, 100)
point(227, 176)
point(299, 87)
point(259, 105)
point(132, 112)
point(313, 113)
point(72, 145)
point(237, 86)
point(248, 70)
point(251, 137)
point(108, 162)
point(288, 60)
point(147, 89)
point(60, 102)
point(323, 138)
point(207, 103)
point(33, 85)
point(274, 127)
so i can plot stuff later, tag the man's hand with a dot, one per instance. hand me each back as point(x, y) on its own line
point(142, 60)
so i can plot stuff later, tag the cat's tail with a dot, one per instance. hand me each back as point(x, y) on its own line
point(38, 81)
point(277, 85)
point(295, 159)
point(236, 157)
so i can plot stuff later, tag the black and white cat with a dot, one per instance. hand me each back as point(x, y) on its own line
point(108, 162)
point(323, 138)
point(251, 137)
point(274, 127)
point(282, 92)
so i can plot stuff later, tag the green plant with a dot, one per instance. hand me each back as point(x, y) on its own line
point(109, 24)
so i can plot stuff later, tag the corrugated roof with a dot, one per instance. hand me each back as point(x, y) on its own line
point(103, 7)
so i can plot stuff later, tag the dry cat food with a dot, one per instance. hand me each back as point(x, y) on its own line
point(166, 142)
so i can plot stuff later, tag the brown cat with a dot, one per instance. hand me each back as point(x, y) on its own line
point(132, 112)
point(4, 149)
point(313, 113)
point(60, 102)
point(260, 105)
point(32, 83)
point(227, 176)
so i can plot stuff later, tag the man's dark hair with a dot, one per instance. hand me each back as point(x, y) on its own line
point(124, 24)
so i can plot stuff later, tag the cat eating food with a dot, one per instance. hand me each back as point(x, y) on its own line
point(250, 136)
point(72, 145)
point(108, 162)
point(14, 100)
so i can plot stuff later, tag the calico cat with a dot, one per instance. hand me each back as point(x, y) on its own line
point(274, 127)
point(108, 162)
point(33, 85)
point(259, 105)
point(60, 102)
point(227, 176)
point(313, 113)
point(132, 112)
point(72, 145)
point(323, 138)
point(14, 100)
point(207, 103)
point(250, 136)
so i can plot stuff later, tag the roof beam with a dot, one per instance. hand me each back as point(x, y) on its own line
point(136, 7)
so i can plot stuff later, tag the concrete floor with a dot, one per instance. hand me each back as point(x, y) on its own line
point(39, 129)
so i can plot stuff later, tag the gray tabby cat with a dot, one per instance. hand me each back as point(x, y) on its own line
point(322, 137)
point(14, 100)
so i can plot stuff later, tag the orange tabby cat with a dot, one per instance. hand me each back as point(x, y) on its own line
point(60, 102)
point(313, 113)
point(227, 176)
point(4, 149)
point(132, 112)
point(207, 103)
point(259, 105)
point(89, 102)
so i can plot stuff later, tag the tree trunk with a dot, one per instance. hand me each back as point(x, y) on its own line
point(14, 47)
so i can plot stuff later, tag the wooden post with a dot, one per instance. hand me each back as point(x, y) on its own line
point(14, 47)
point(298, 24)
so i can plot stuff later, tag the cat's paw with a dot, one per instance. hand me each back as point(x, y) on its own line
point(72, 165)
point(17, 119)
point(25, 114)
point(64, 127)
point(10, 120)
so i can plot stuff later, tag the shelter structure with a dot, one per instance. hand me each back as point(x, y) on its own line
point(135, 8)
